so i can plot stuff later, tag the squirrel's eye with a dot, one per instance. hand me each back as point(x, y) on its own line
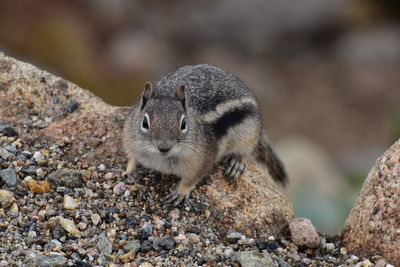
point(145, 123)
point(183, 125)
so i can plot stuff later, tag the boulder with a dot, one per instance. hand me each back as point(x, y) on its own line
point(48, 109)
point(373, 226)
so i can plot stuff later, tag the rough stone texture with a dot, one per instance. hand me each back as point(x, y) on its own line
point(51, 260)
point(254, 259)
point(26, 91)
point(9, 176)
point(373, 226)
point(304, 233)
point(6, 198)
point(253, 203)
point(35, 99)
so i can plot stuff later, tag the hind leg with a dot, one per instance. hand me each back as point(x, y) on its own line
point(235, 166)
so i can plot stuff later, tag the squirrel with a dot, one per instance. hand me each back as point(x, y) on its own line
point(193, 119)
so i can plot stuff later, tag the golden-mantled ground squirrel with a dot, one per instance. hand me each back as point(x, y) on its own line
point(193, 119)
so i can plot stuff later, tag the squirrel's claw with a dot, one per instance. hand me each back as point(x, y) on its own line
point(235, 167)
point(173, 199)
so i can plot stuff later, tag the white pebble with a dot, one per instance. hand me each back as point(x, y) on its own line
point(40, 172)
point(127, 193)
point(32, 234)
point(95, 218)
point(109, 175)
point(330, 247)
point(228, 252)
point(365, 263)
point(38, 156)
point(102, 167)
point(70, 203)
point(271, 238)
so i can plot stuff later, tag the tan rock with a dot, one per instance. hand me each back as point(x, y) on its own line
point(69, 226)
point(6, 198)
point(304, 233)
point(24, 82)
point(252, 203)
point(39, 187)
point(373, 226)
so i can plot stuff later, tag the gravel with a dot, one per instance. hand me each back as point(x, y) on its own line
point(88, 219)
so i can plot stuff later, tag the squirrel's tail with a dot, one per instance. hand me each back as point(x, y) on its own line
point(265, 155)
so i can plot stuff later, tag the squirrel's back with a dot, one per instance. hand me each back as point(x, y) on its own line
point(206, 87)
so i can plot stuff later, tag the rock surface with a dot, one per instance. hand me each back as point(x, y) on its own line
point(254, 203)
point(373, 226)
point(253, 259)
point(9, 176)
point(55, 134)
point(92, 134)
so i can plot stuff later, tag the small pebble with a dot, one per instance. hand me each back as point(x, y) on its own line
point(5, 154)
point(303, 233)
point(146, 264)
point(364, 263)
point(119, 188)
point(7, 130)
point(86, 174)
point(70, 203)
point(109, 175)
point(174, 214)
point(330, 247)
point(69, 226)
point(6, 198)
point(38, 156)
point(132, 245)
point(102, 167)
point(9, 176)
point(51, 260)
point(39, 187)
point(104, 245)
point(95, 218)
point(14, 208)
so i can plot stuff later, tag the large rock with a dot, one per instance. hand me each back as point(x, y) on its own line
point(252, 204)
point(49, 109)
point(373, 226)
point(44, 107)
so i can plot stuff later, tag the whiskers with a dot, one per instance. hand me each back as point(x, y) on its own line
point(190, 148)
point(141, 147)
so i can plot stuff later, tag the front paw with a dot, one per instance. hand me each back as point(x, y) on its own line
point(174, 199)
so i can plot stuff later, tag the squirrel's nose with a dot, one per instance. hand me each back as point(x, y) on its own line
point(164, 146)
point(164, 150)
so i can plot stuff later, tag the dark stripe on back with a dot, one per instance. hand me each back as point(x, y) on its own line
point(230, 119)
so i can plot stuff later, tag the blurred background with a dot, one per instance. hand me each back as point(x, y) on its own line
point(327, 73)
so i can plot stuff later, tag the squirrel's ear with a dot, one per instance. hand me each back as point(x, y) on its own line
point(180, 94)
point(148, 93)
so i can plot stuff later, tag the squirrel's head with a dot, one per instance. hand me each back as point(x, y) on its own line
point(162, 121)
